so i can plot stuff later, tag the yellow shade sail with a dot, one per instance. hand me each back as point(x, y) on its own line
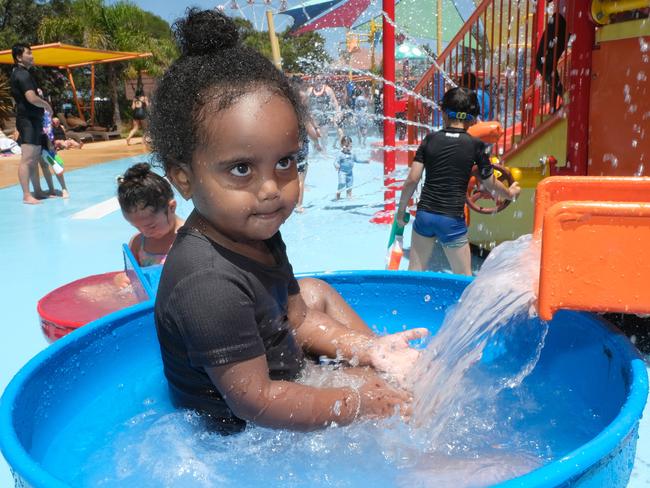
point(58, 55)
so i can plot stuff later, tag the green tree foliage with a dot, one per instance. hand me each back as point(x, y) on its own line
point(6, 102)
point(19, 19)
point(122, 27)
point(300, 54)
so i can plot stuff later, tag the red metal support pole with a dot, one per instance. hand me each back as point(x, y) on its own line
point(386, 216)
point(579, 24)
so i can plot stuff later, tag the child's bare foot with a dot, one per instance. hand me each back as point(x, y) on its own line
point(65, 194)
point(300, 209)
point(30, 200)
point(128, 141)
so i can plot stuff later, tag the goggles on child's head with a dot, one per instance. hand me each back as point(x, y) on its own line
point(459, 115)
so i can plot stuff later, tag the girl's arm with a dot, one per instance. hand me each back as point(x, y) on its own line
point(333, 99)
point(494, 186)
point(134, 244)
point(411, 183)
point(253, 396)
point(314, 133)
point(320, 334)
point(122, 280)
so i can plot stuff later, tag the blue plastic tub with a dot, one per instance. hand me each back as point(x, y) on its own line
point(112, 365)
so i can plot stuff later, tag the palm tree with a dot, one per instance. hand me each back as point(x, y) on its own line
point(6, 101)
point(121, 27)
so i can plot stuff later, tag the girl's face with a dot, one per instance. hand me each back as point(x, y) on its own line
point(153, 224)
point(244, 182)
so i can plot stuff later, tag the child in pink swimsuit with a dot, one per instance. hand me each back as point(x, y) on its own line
point(148, 204)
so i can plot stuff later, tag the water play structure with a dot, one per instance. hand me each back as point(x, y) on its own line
point(576, 108)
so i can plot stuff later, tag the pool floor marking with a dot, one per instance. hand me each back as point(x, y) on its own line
point(99, 210)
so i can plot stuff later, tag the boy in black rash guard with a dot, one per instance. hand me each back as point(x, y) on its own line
point(233, 322)
point(447, 158)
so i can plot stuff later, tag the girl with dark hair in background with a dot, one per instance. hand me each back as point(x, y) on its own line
point(148, 204)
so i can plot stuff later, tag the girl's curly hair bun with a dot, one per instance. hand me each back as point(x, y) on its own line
point(137, 172)
point(203, 32)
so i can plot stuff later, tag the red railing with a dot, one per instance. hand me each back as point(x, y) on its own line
point(513, 53)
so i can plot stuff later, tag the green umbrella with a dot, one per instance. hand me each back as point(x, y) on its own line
point(418, 18)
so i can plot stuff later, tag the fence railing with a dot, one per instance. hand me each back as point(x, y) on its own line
point(513, 54)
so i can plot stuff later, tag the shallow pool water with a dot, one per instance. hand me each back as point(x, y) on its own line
point(150, 444)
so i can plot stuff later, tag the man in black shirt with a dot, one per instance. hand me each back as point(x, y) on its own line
point(29, 121)
point(448, 157)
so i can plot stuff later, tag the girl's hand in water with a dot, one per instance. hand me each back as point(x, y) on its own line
point(392, 354)
point(378, 400)
point(121, 280)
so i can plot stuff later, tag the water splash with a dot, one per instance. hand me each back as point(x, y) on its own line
point(489, 341)
point(411, 93)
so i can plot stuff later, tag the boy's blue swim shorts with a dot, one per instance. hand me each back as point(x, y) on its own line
point(450, 231)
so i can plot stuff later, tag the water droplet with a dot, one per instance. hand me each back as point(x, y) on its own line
point(613, 160)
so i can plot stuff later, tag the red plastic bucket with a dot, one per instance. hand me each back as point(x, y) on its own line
point(73, 305)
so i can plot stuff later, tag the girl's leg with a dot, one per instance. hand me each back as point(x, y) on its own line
point(421, 250)
point(339, 136)
point(64, 188)
point(45, 168)
point(324, 133)
point(301, 189)
point(341, 176)
point(320, 296)
point(136, 126)
point(460, 259)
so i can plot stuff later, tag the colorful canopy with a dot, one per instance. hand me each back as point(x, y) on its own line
point(418, 18)
point(60, 55)
point(308, 10)
point(342, 15)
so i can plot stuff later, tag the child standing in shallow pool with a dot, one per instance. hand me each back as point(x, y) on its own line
point(148, 204)
point(344, 165)
point(234, 324)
